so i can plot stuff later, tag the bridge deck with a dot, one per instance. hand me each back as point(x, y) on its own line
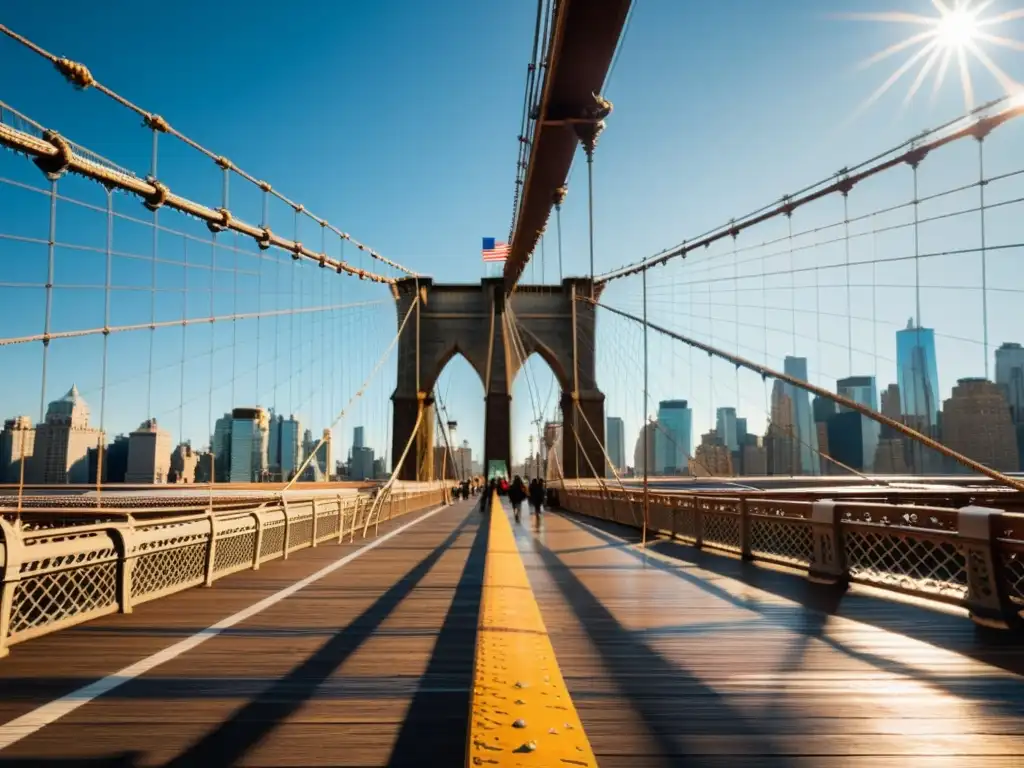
point(673, 657)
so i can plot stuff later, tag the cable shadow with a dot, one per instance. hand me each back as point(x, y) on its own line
point(122, 760)
point(816, 603)
point(658, 690)
point(437, 721)
point(250, 724)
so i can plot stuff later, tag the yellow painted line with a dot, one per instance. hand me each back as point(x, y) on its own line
point(520, 712)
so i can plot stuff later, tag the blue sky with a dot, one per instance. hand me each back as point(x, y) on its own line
point(398, 121)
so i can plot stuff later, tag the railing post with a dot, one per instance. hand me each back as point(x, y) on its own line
point(287, 526)
point(987, 602)
point(341, 519)
point(698, 523)
point(312, 536)
point(258, 546)
point(14, 553)
point(211, 551)
point(828, 555)
point(744, 530)
point(125, 536)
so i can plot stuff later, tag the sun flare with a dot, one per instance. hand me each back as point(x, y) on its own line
point(953, 38)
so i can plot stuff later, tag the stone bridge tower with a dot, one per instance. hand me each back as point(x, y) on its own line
point(471, 320)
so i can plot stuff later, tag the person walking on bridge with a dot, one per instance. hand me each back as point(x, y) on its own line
point(537, 495)
point(517, 494)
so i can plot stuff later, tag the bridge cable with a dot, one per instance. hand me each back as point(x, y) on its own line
point(359, 393)
point(765, 371)
point(980, 121)
point(81, 78)
point(56, 155)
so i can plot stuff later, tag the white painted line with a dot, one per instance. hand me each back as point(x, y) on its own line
point(27, 724)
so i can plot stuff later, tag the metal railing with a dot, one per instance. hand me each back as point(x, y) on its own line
point(972, 557)
point(54, 578)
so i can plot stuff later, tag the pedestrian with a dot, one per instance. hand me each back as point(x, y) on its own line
point(537, 495)
point(517, 494)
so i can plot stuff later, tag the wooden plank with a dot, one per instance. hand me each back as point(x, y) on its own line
point(671, 662)
point(344, 672)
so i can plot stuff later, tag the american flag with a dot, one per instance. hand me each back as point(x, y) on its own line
point(494, 251)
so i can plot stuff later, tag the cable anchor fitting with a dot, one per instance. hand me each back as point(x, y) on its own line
point(263, 241)
point(77, 74)
point(160, 192)
point(156, 123)
point(54, 167)
point(296, 250)
point(224, 223)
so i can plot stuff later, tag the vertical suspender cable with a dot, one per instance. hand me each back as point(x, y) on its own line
point(184, 339)
point(849, 295)
point(102, 440)
point(152, 288)
point(984, 259)
point(643, 430)
point(51, 247)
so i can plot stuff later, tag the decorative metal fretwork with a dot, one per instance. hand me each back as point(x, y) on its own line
point(908, 562)
point(722, 530)
point(273, 540)
point(300, 533)
point(54, 598)
point(1013, 575)
point(167, 568)
point(235, 551)
point(790, 542)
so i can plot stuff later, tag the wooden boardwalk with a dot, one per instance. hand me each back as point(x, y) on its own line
point(674, 657)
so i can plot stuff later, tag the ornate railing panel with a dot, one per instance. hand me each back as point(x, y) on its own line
point(972, 557)
point(53, 578)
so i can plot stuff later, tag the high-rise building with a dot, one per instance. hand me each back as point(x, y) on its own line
point(918, 379)
point(863, 391)
point(976, 422)
point(357, 438)
point(615, 438)
point(184, 464)
point(780, 446)
point(648, 436)
point(712, 457)
point(17, 444)
point(250, 439)
point(220, 447)
point(149, 454)
point(727, 427)
point(805, 435)
point(673, 437)
point(63, 441)
point(289, 446)
point(1010, 377)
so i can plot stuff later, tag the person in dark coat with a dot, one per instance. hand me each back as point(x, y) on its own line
point(516, 495)
point(537, 495)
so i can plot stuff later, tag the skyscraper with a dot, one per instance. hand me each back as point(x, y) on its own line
point(250, 439)
point(220, 447)
point(1010, 378)
point(976, 422)
point(17, 443)
point(615, 438)
point(673, 437)
point(862, 390)
point(357, 437)
point(727, 428)
point(63, 441)
point(149, 454)
point(918, 379)
point(805, 434)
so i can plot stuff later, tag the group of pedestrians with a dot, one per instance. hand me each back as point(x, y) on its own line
point(518, 492)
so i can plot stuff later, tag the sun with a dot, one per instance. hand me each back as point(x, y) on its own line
point(951, 38)
point(957, 29)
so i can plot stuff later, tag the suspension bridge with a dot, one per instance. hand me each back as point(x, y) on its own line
point(846, 588)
